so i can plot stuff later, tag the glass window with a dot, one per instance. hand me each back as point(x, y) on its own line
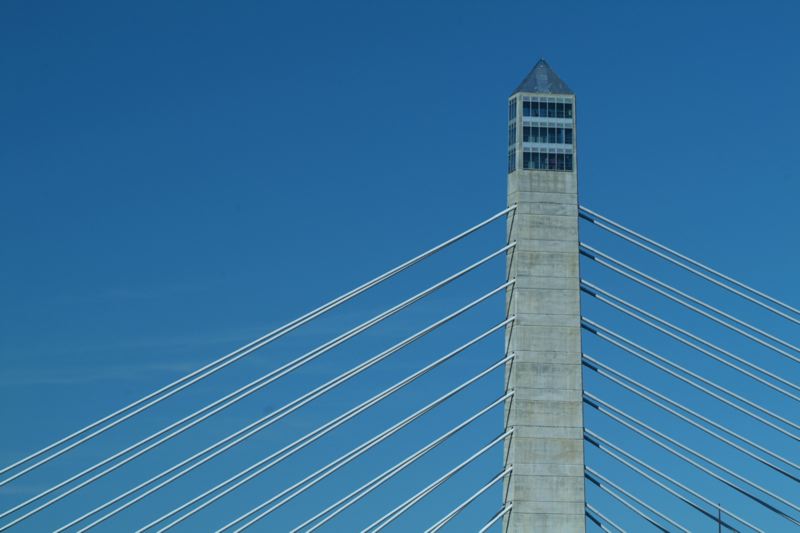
point(568, 110)
point(512, 109)
point(560, 110)
point(534, 134)
point(512, 133)
point(512, 160)
point(551, 135)
point(568, 135)
point(560, 135)
point(536, 160)
point(551, 109)
point(526, 109)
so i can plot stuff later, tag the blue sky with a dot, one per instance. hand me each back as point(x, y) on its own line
point(179, 178)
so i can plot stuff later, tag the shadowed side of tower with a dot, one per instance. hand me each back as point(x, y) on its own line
point(546, 487)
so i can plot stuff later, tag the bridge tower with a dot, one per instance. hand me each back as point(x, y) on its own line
point(546, 487)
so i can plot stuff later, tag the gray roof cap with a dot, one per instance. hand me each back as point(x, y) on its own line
point(542, 79)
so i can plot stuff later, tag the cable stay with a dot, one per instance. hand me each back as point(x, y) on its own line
point(395, 513)
point(598, 221)
point(704, 429)
point(613, 375)
point(356, 495)
point(496, 518)
point(618, 340)
point(615, 413)
point(256, 385)
point(605, 487)
point(125, 413)
point(463, 505)
point(595, 440)
point(662, 486)
point(598, 479)
point(592, 513)
point(290, 449)
point(263, 422)
point(669, 291)
point(617, 303)
point(310, 480)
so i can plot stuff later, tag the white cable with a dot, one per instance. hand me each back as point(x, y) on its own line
point(237, 354)
point(603, 444)
point(685, 458)
point(610, 299)
point(606, 261)
point(641, 502)
point(280, 413)
point(463, 505)
point(626, 503)
point(609, 373)
point(295, 404)
point(696, 272)
point(395, 513)
point(334, 465)
point(290, 449)
point(610, 336)
point(492, 521)
point(256, 385)
point(356, 495)
point(658, 483)
point(592, 509)
point(692, 261)
point(596, 521)
point(598, 402)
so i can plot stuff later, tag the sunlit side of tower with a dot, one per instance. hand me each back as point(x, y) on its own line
point(546, 487)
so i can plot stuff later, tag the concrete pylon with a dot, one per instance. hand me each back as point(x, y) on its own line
point(546, 485)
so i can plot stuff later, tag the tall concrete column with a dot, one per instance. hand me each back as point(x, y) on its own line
point(546, 487)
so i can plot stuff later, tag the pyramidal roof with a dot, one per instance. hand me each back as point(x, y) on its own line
point(542, 79)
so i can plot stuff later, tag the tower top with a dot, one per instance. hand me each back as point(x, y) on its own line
point(542, 79)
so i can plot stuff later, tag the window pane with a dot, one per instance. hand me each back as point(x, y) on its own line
point(568, 135)
point(551, 161)
point(560, 135)
point(560, 160)
point(551, 109)
point(535, 107)
point(568, 110)
point(568, 162)
point(512, 109)
point(560, 110)
point(526, 109)
point(551, 135)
